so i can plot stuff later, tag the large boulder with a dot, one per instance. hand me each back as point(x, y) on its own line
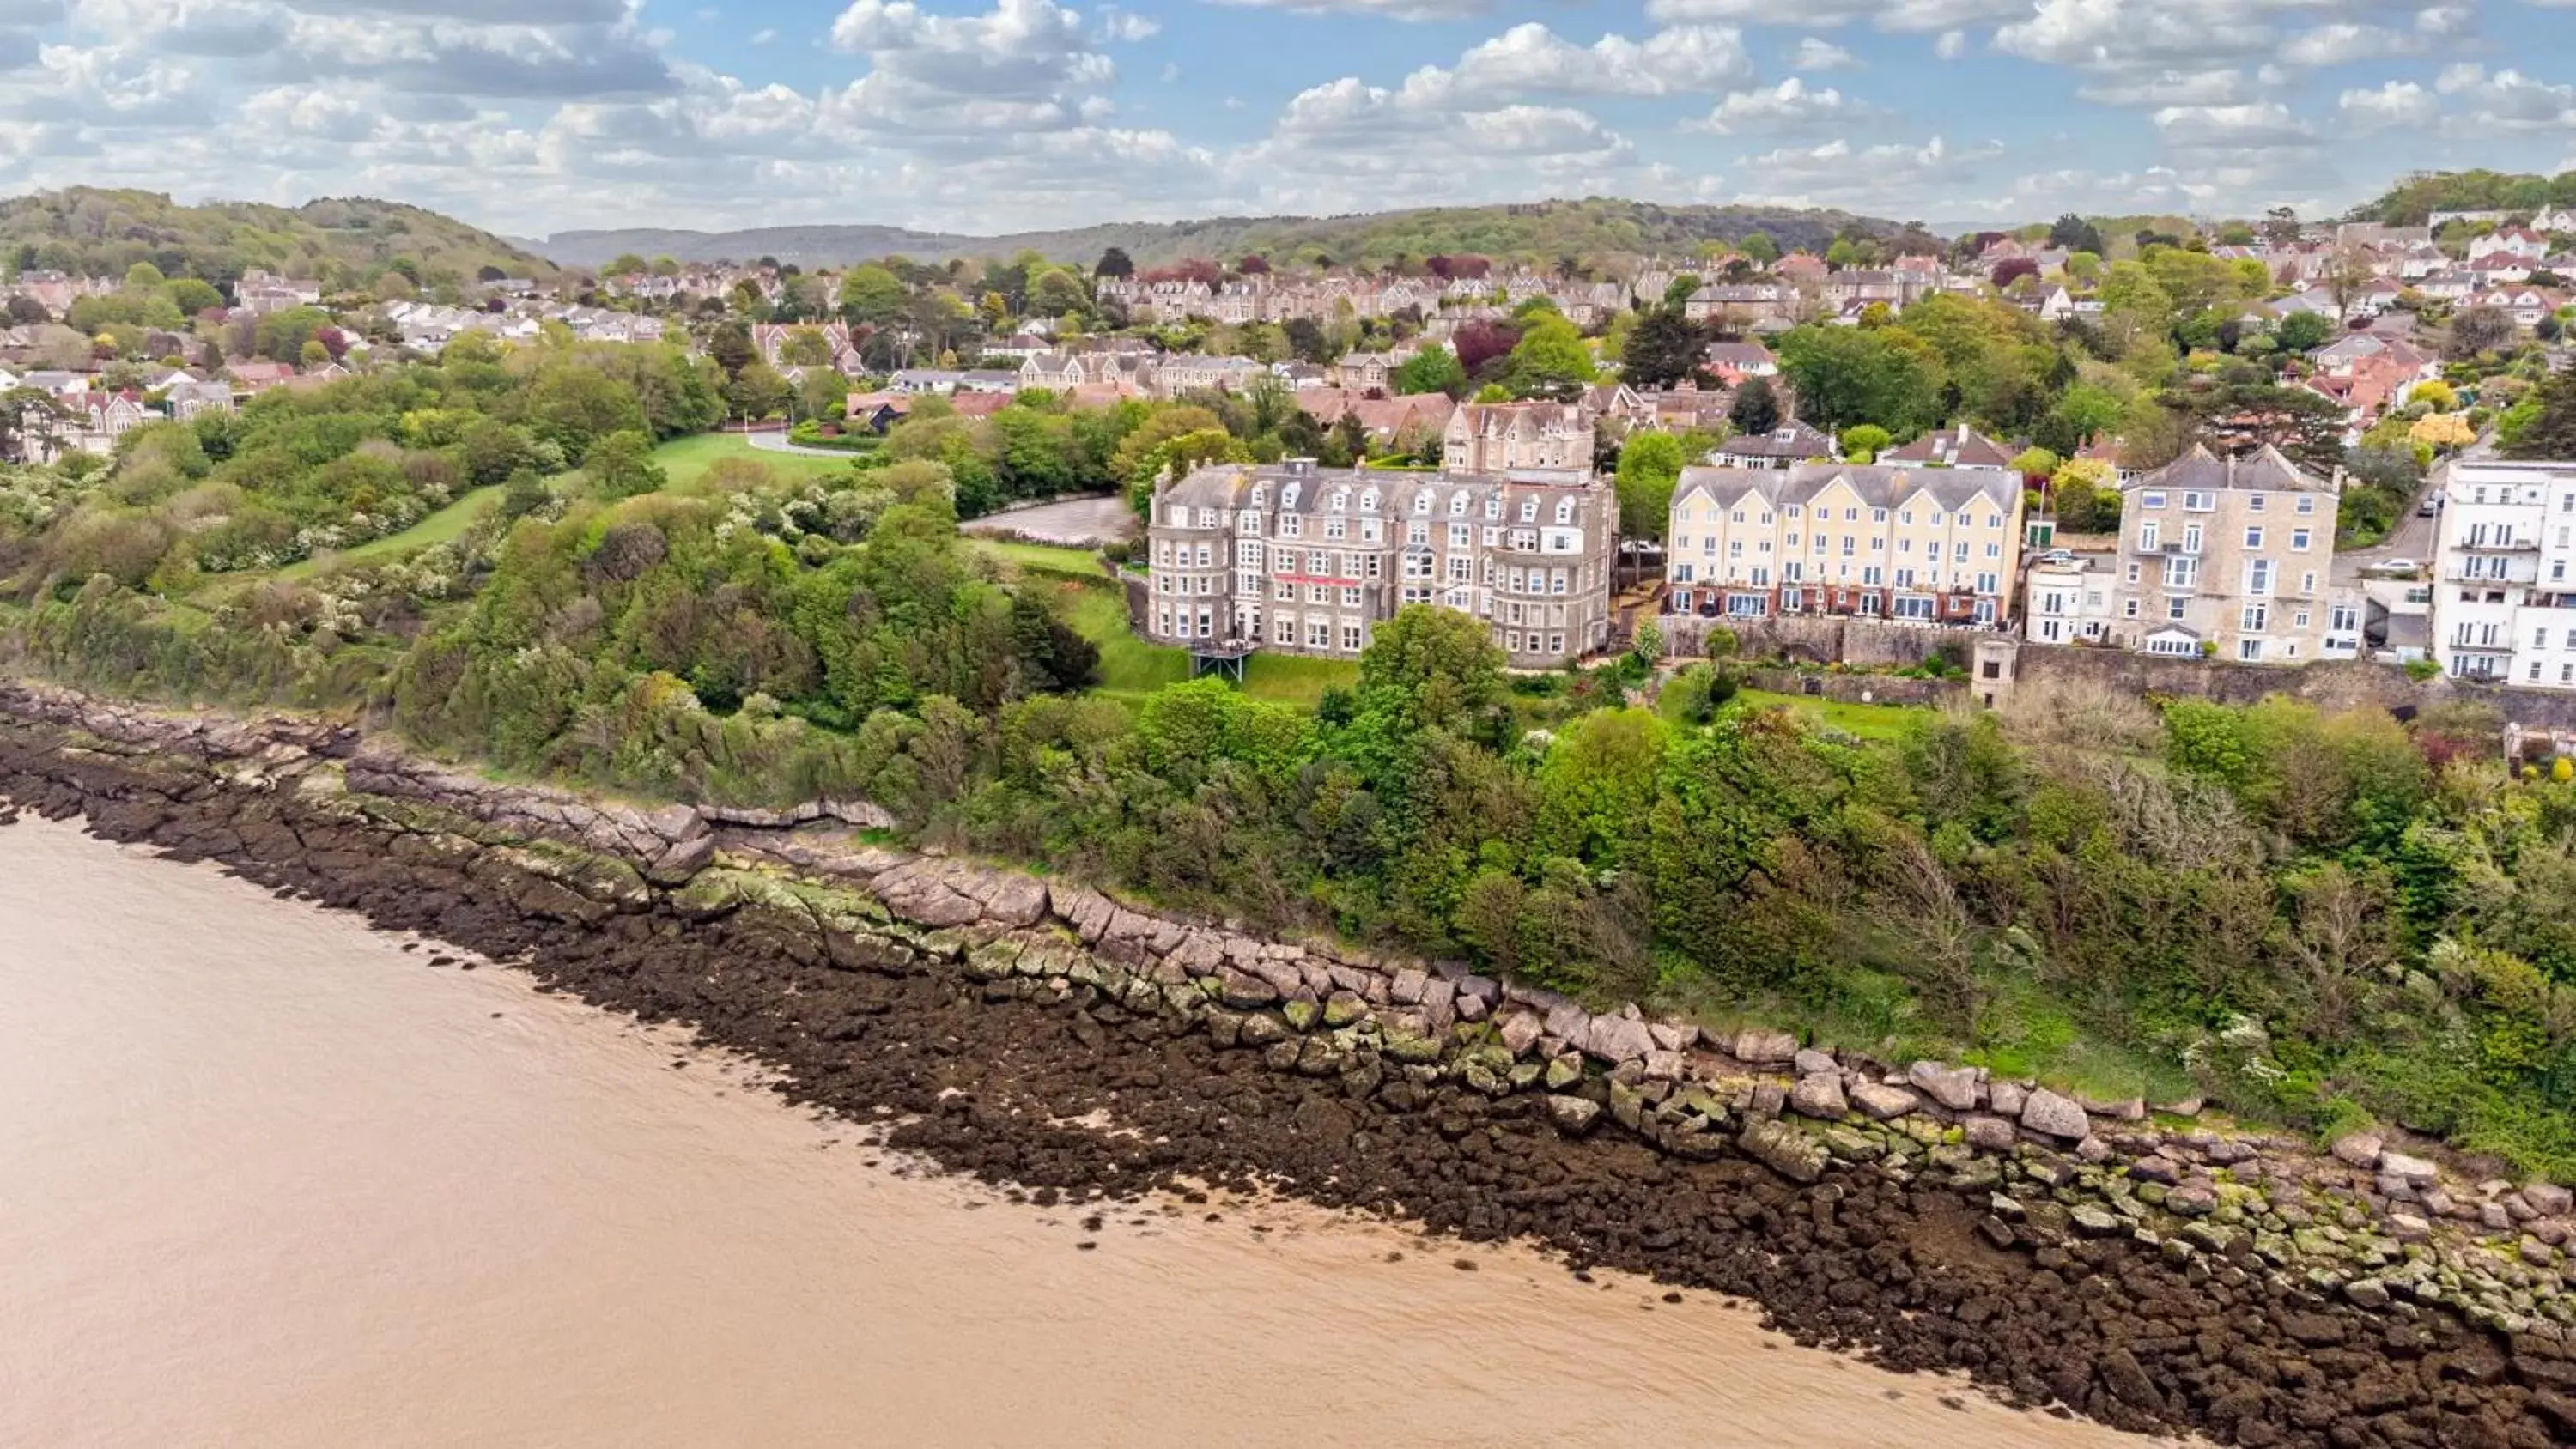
point(1617, 1039)
point(1989, 1134)
point(1785, 1150)
point(2415, 1172)
point(2358, 1149)
point(1764, 1048)
point(2055, 1115)
point(1952, 1087)
point(1819, 1096)
point(1573, 1116)
point(1882, 1103)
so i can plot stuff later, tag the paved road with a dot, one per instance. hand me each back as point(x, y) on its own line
point(1074, 522)
point(777, 443)
point(2414, 535)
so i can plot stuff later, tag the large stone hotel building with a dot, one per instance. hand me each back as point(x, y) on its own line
point(1309, 560)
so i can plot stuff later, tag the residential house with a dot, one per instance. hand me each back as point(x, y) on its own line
point(2525, 305)
point(1061, 371)
point(1935, 546)
point(2067, 597)
point(93, 421)
point(2518, 241)
point(875, 412)
point(1193, 372)
point(185, 394)
point(1736, 361)
point(2504, 574)
point(1743, 306)
point(1790, 443)
point(1307, 560)
point(2226, 558)
point(1959, 447)
point(1618, 404)
point(1513, 437)
point(1802, 267)
point(1855, 287)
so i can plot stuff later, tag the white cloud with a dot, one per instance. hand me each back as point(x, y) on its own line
point(1896, 15)
point(2220, 87)
point(2506, 100)
point(763, 36)
point(1531, 58)
point(1816, 55)
point(1127, 25)
point(1387, 9)
point(1786, 107)
point(2343, 43)
point(2247, 127)
point(2393, 104)
point(1024, 65)
point(1952, 44)
point(1897, 176)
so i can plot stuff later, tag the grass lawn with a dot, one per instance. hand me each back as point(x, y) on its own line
point(1045, 558)
point(447, 523)
point(1863, 721)
point(1130, 668)
point(687, 458)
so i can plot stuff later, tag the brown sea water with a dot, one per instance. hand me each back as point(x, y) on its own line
point(266, 1178)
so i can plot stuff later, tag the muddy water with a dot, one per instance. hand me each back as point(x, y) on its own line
point(266, 1178)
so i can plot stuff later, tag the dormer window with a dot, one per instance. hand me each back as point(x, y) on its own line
point(1260, 496)
point(1422, 501)
point(1368, 501)
point(1341, 500)
point(1494, 507)
point(1288, 496)
point(1458, 504)
point(1565, 510)
point(1529, 510)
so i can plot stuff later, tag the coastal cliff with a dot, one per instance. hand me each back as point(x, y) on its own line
point(2151, 1271)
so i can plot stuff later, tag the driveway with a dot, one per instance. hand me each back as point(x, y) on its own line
point(777, 443)
point(2414, 535)
point(1073, 522)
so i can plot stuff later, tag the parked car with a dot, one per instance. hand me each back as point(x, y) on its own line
point(2395, 566)
point(2431, 505)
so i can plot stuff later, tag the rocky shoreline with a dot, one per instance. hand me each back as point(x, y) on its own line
point(2154, 1273)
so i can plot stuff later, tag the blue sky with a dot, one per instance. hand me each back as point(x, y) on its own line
point(984, 115)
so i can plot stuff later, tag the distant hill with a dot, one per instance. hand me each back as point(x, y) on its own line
point(345, 242)
point(1539, 231)
point(2417, 196)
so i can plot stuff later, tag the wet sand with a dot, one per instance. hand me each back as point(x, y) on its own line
point(274, 1180)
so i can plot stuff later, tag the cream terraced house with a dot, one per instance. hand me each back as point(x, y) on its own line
point(1309, 560)
point(1920, 545)
point(2228, 558)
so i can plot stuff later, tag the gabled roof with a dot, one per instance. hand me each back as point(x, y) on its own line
point(1793, 440)
point(1878, 485)
point(2263, 470)
point(1960, 447)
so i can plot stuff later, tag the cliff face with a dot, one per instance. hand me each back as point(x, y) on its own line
point(2150, 1275)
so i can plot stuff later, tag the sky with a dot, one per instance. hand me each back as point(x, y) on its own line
point(981, 116)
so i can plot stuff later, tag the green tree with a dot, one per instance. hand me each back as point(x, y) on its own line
point(1550, 361)
point(2543, 424)
point(873, 295)
point(805, 347)
point(621, 465)
point(626, 264)
point(1431, 666)
point(1434, 369)
point(2303, 332)
point(1847, 375)
point(1759, 246)
point(1663, 348)
point(1114, 263)
point(1650, 464)
point(1756, 408)
point(1863, 442)
point(758, 391)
